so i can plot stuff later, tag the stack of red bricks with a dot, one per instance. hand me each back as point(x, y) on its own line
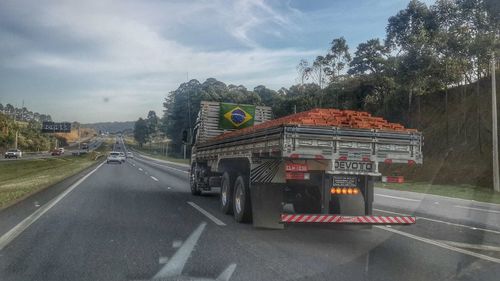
point(327, 118)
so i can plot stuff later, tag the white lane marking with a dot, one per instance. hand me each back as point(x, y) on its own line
point(163, 161)
point(162, 260)
point(439, 244)
point(477, 209)
point(133, 164)
point(176, 243)
point(396, 197)
point(440, 221)
point(168, 167)
point(429, 195)
point(23, 225)
point(176, 264)
point(168, 187)
point(471, 246)
point(207, 214)
point(155, 179)
point(140, 169)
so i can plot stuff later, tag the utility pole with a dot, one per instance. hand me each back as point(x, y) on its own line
point(496, 179)
point(17, 134)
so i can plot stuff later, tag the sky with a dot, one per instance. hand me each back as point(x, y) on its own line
point(107, 60)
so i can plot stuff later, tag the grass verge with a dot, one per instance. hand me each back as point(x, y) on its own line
point(468, 192)
point(19, 179)
point(156, 154)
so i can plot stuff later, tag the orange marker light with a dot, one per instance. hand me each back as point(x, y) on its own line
point(349, 191)
point(344, 191)
point(355, 191)
point(338, 190)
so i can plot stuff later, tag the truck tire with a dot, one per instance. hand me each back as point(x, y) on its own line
point(193, 182)
point(226, 193)
point(241, 201)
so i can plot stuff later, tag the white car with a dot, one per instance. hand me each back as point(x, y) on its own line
point(115, 157)
point(130, 155)
point(13, 153)
point(61, 150)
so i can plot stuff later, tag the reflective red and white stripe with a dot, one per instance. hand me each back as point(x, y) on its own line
point(307, 218)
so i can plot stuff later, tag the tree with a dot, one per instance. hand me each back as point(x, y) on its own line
point(370, 57)
point(337, 58)
point(153, 123)
point(141, 131)
point(412, 32)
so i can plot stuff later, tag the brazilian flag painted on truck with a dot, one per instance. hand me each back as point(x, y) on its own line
point(236, 116)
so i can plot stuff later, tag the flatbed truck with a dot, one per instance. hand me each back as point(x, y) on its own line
point(314, 167)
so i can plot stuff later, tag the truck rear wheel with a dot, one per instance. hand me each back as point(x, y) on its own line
point(226, 194)
point(193, 182)
point(242, 204)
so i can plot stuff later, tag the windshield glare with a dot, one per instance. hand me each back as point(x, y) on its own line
point(249, 140)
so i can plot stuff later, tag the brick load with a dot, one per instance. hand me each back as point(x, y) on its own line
point(325, 117)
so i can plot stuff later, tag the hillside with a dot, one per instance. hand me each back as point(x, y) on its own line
point(112, 127)
point(460, 154)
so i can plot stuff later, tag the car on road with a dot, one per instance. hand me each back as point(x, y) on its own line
point(61, 150)
point(85, 145)
point(56, 152)
point(13, 153)
point(130, 155)
point(114, 157)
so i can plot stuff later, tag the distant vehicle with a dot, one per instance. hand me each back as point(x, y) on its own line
point(56, 152)
point(84, 146)
point(115, 157)
point(123, 156)
point(13, 153)
point(61, 150)
point(130, 155)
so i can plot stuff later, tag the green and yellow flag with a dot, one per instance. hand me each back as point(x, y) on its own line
point(236, 116)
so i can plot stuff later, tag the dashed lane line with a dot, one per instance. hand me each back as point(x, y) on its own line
point(207, 214)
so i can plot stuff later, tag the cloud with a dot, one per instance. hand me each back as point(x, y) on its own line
point(135, 52)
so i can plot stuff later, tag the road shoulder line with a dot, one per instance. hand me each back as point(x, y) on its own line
point(24, 224)
point(440, 221)
point(439, 244)
point(207, 214)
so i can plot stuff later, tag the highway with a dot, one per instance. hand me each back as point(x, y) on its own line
point(93, 144)
point(138, 221)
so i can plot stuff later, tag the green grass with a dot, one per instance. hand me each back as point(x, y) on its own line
point(24, 177)
point(155, 153)
point(469, 192)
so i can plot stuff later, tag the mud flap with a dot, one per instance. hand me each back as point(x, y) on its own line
point(351, 205)
point(267, 199)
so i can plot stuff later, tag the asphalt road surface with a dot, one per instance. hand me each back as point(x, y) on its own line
point(138, 221)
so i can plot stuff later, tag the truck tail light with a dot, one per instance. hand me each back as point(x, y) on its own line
point(344, 191)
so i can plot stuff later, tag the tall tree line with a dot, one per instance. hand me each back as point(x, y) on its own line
point(427, 49)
